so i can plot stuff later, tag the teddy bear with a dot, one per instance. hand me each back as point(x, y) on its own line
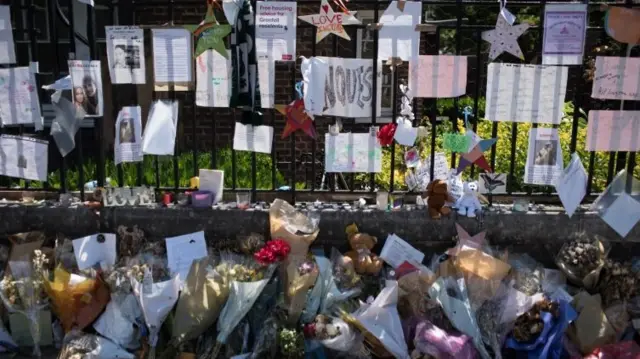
point(469, 203)
point(364, 261)
point(438, 195)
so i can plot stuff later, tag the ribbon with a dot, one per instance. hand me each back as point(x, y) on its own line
point(468, 111)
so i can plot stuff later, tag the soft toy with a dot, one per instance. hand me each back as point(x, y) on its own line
point(364, 261)
point(469, 203)
point(438, 195)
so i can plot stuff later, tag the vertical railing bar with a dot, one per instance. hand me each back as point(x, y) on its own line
point(53, 40)
point(456, 111)
point(233, 156)
point(394, 113)
point(314, 142)
point(194, 134)
point(512, 158)
point(254, 167)
point(33, 55)
point(334, 176)
point(72, 48)
point(433, 117)
point(274, 159)
point(98, 123)
point(114, 105)
point(592, 161)
point(172, 95)
point(140, 165)
point(540, 32)
point(293, 139)
point(374, 99)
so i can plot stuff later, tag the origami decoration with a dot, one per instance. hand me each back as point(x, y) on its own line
point(504, 38)
point(209, 33)
point(297, 119)
point(329, 22)
point(476, 156)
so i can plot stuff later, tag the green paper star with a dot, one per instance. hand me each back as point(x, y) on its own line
point(210, 35)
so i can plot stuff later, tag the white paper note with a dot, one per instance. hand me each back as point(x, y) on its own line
point(352, 152)
point(19, 103)
point(252, 138)
point(183, 250)
point(438, 76)
point(617, 78)
point(525, 93)
point(213, 85)
point(7, 46)
point(397, 251)
point(314, 72)
point(267, 82)
point(623, 214)
point(86, 77)
point(212, 180)
point(398, 37)
point(125, 53)
point(160, 132)
point(276, 30)
point(572, 185)
point(544, 157)
point(565, 29)
point(172, 55)
point(23, 157)
point(128, 141)
point(97, 249)
point(406, 135)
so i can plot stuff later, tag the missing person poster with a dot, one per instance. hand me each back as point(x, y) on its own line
point(87, 87)
point(125, 53)
point(128, 143)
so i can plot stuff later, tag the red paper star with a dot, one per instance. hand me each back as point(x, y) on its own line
point(297, 119)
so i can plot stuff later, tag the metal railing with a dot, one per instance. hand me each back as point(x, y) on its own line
point(90, 159)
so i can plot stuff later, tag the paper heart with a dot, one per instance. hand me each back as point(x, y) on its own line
point(325, 8)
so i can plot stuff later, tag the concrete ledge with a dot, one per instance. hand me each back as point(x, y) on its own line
point(538, 233)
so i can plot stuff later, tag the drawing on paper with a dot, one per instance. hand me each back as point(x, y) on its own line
point(492, 183)
point(352, 152)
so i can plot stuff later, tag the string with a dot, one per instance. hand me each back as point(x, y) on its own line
point(299, 89)
point(468, 111)
point(503, 4)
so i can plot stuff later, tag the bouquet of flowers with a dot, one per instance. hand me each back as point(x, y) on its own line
point(315, 296)
point(301, 275)
point(581, 259)
point(342, 283)
point(438, 343)
point(246, 280)
point(335, 334)
point(78, 345)
point(23, 292)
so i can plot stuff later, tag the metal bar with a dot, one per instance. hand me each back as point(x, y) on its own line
point(484, 3)
point(476, 99)
point(98, 122)
point(374, 99)
point(314, 143)
point(293, 140)
point(455, 112)
point(172, 96)
point(512, 157)
point(72, 47)
point(53, 33)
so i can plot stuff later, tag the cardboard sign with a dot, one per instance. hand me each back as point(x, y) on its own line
point(128, 196)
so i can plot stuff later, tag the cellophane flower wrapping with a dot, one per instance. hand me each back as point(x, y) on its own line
point(345, 339)
point(341, 284)
point(621, 350)
point(265, 319)
point(452, 295)
point(434, 341)
point(156, 301)
point(317, 293)
point(582, 258)
point(301, 274)
point(296, 228)
point(381, 319)
point(549, 343)
point(203, 296)
point(23, 292)
point(246, 281)
point(77, 344)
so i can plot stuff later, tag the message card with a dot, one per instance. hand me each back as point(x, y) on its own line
point(213, 83)
point(617, 78)
point(23, 157)
point(526, 93)
point(613, 131)
point(352, 152)
point(438, 76)
point(19, 102)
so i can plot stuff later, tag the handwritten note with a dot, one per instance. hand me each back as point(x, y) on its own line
point(438, 76)
point(267, 82)
point(525, 93)
point(572, 185)
point(183, 250)
point(352, 152)
point(98, 249)
point(397, 251)
point(252, 138)
point(213, 181)
point(213, 86)
point(617, 78)
point(19, 102)
point(613, 131)
point(23, 157)
point(172, 51)
point(7, 46)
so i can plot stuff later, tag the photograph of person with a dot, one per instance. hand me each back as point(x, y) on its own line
point(545, 153)
point(127, 131)
point(91, 95)
point(120, 57)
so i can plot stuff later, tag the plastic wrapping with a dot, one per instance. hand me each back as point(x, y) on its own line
point(591, 329)
point(431, 340)
point(619, 197)
point(87, 346)
point(581, 259)
point(301, 275)
point(298, 229)
point(315, 296)
point(119, 321)
point(343, 282)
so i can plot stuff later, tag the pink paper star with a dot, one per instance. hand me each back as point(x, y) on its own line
point(464, 239)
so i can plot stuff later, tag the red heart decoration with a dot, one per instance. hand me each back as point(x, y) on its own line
point(325, 8)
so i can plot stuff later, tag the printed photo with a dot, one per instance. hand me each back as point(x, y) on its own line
point(546, 153)
point(127, 131)
point(87, 87)
point(125, 54)
point(126, 57)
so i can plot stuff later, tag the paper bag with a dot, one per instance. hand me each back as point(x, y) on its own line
point(200, 302)
point(299, 242)
point(591, 329)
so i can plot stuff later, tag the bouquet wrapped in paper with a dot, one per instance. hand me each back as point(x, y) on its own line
point(341, 283)
point(77, 344)
point(76, 300)
point(336, 334)
point(301, 275)
point(381, 320)
point(246, 280)
point(581, 259)
point(294, 227)
point(23, 292)
point(156, 300)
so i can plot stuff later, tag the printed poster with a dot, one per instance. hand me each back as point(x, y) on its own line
point(345, 86)
point(125, 53)
point(565, 28)
point(19, 103)
point(213, 83)
point(172, 59)
point(87, 87)
point(526, 93)
point(438, 76)
point(613, 131)
point(7, 46)
point(544, 157)
point(24, 157)
point(352, 152)
point(617, 78)
point(276, 30)
point(128, 143)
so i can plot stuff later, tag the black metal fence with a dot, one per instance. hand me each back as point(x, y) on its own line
point(46, 31)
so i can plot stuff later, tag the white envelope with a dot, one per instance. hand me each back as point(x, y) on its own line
point(90, 252)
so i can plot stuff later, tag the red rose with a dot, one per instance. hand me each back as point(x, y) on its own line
point(386, 133)
point(309, 330)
